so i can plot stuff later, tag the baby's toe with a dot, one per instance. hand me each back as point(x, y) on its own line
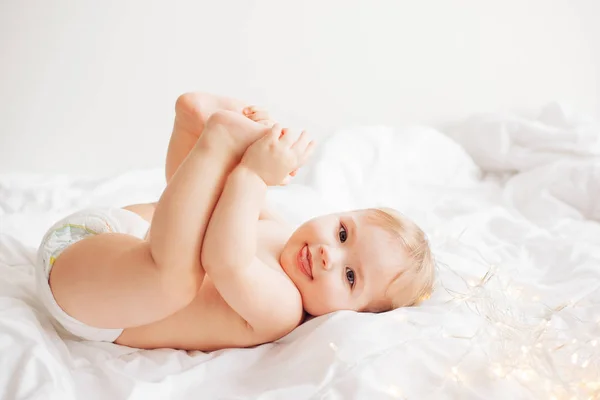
point(256, 114)
point(267, 122)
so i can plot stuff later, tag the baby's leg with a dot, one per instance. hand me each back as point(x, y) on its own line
point(119, 281)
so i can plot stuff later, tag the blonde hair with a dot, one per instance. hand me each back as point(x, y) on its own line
point(402, 290)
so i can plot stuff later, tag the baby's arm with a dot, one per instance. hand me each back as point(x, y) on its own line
point(259, 294)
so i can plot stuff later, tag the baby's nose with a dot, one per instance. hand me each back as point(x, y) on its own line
point(328, 257)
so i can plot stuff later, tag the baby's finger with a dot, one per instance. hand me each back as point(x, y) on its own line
point(310, 148)
point(276, 132)
point(286, 136)
point(302, 142)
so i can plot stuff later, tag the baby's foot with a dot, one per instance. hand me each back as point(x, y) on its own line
point(232, 130)
point(259, 115)
point(193, 109)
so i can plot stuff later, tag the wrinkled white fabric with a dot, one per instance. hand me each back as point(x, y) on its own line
point(511, 207)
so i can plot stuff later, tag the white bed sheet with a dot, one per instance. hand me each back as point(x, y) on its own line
point(512, 209)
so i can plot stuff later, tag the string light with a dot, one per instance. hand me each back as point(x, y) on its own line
point(532, 348)
point(394, 391)
point(498, 371)
point(526, 374)
point(593, 385)
point(455, 375)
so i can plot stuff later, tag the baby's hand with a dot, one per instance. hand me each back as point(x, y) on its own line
point(276, 155)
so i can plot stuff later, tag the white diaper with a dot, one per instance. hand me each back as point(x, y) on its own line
point(70, 230)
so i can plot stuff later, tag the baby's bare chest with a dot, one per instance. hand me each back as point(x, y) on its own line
point(208, 323)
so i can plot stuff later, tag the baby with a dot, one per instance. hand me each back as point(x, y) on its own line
point(208, 266)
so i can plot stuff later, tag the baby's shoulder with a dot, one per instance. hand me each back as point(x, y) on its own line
point(274, 231)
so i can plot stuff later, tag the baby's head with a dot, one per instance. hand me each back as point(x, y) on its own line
point(370, 260)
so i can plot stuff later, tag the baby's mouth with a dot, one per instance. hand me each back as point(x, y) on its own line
point(305, 261)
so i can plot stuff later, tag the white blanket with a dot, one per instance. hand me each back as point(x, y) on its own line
point(512, 209)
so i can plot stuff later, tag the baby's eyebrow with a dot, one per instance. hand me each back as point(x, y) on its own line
point(353, 227)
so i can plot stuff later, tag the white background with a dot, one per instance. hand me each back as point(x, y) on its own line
point(88, 87)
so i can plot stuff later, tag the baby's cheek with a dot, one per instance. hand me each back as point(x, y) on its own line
point(333, 297)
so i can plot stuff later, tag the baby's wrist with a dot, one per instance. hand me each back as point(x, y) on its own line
point(246, 172)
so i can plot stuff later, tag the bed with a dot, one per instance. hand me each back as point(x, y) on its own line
point(511, 205)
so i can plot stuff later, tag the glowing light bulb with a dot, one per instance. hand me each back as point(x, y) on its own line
point(455, 374)
point(498, 371)
point(593, 385)
point(574, 358)
point(394, 391)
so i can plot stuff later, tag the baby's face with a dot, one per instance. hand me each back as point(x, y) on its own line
point(341, 262)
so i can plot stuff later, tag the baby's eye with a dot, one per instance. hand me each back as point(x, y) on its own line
point(342, 234)
point(350, 276)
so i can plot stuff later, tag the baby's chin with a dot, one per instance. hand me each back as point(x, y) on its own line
point(287, 261)
point(287, 268)
point(315, 310)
